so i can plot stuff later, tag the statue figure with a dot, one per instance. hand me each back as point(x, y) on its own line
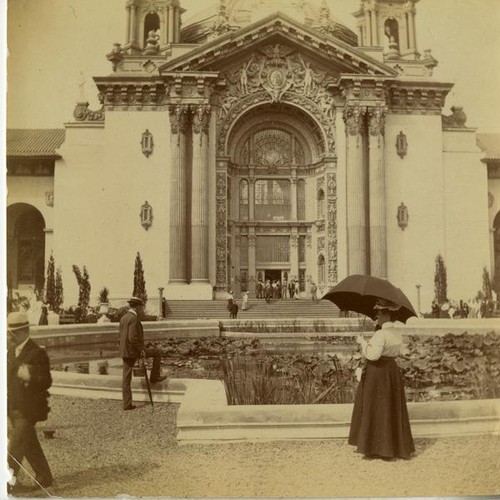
point(152, 46)
point(308, 77)
point(244, 78)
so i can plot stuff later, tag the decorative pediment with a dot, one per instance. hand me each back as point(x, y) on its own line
point(278, 29)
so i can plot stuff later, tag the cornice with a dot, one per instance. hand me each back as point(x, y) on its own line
point(417, 96)
point(351, 58)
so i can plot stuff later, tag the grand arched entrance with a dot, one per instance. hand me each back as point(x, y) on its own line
point(25, 247)
point(276, 197)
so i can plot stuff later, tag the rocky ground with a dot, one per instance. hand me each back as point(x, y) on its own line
point(101, 451)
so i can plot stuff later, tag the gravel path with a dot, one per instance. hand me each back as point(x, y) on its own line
point(101, 451)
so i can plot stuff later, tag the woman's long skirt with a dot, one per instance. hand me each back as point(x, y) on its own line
point(380, 425)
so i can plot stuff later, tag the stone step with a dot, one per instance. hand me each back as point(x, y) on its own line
point(303, 308)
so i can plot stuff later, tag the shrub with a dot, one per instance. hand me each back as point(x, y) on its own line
point(104, 295)
point(58, 292)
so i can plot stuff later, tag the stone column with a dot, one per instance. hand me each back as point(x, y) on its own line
point(376, 182)
point(133, 27)
point(164, 38)
point(368, 29)
point(356, 191)
point(170, 15)
point(252, 241)
point(127, 34)
point(374, 27)
point(179, 117)
point(413, 30)
point(199, 197)
point(293, 193)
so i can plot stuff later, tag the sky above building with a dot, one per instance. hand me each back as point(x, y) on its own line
point(55, 47)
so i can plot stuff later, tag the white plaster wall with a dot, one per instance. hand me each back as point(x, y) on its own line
point(417, 181)
point(466, 211)
point(101, 184)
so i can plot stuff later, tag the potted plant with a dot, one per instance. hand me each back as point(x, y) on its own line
point(103, 304)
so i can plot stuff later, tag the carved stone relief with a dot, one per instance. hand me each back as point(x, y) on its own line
point(277, 73)
point(221, 231)
point(332, 228)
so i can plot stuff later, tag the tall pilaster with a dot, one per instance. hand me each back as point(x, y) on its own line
point(293, 193)
point(251, 260)
point(171, 23)
point(199, 198)
point(356, 191)
point(251, 194)
point(179, 120)
point(127, 32)
point(378, 243)
point(221, 226)
point(294, 253)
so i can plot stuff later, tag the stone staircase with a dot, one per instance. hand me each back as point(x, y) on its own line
point(217, 309)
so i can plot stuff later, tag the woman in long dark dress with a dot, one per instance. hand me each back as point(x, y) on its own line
point(380, 427)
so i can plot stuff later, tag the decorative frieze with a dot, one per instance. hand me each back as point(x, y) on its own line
point(423, 98)
point(133, 95)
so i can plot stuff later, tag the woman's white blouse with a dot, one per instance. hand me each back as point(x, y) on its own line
point(385, 342)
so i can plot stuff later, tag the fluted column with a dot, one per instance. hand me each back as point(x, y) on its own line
point(199, 198)
point(179, 117)
point(376, 173)
point(413, 30)
point(356, 192)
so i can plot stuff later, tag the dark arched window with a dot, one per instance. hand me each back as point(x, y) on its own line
point(391, 30)
point(321, 269)
point(321, 204)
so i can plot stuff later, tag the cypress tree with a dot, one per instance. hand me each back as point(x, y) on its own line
point(50, 284)
point(84, 287)
point(59, 293)
point(440, 282)
point(139, 282)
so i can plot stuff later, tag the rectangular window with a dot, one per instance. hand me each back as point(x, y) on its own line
point(272, 199)
point(272, 249)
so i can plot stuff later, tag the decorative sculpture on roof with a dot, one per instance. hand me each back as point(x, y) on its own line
point(456, 120)
point(152, 43)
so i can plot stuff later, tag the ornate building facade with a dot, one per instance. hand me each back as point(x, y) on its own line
point(255, 143)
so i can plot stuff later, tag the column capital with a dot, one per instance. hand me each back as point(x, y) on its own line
point(201, 118)
point(376, 120)
point(353, 118)
point(179, 118)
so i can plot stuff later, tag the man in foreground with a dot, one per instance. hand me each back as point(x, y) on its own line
point(132, 348)
point(28, 381)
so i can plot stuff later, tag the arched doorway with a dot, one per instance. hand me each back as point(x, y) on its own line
point(496, 253)
point(276, 153)
point(25, 247)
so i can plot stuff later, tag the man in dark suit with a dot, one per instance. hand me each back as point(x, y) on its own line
point(28, 381)
point(132, 348)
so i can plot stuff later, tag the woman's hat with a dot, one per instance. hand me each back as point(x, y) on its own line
point(135, 301)
point(17, 321)
point(386, 304)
